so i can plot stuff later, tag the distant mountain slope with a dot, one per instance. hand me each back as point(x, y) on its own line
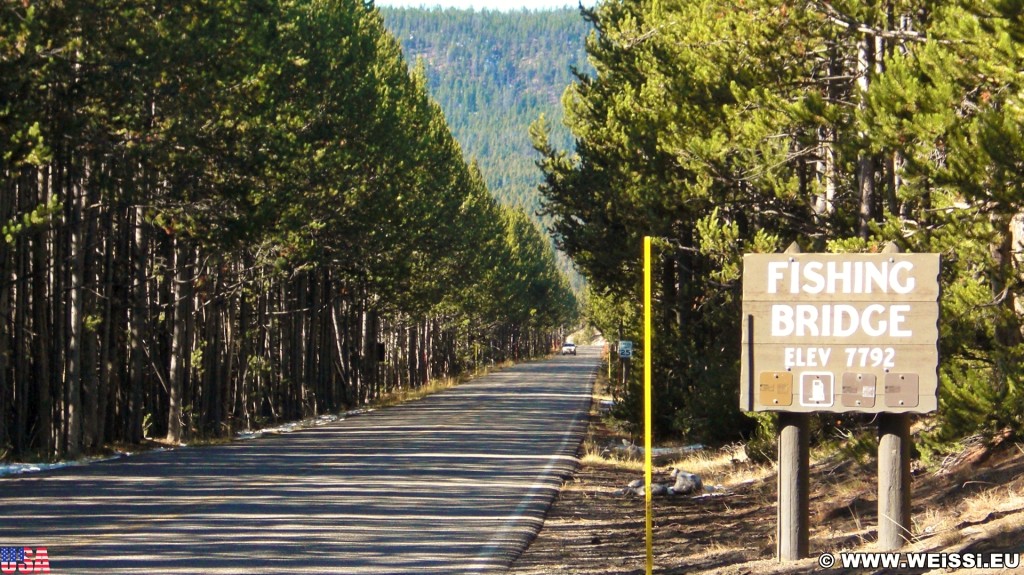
point(493, 73)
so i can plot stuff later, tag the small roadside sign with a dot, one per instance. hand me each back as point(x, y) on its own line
point(625, 349)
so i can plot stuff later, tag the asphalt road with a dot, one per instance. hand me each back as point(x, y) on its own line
point(458, 482)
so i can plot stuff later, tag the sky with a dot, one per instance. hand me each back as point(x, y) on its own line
point(487, 4)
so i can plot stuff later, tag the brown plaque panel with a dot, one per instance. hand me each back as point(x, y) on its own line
point(775, 388)
point(902, 390)
point(859, 390)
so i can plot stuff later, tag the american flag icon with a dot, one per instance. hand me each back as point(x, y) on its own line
point(12, 554)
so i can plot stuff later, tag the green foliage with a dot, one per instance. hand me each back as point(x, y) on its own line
point(858, 445)
point(41, 215)
point(275, 171)
point(763, 445)
point(492, 73)
point(736, 127)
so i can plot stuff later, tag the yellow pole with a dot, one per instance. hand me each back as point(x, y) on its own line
point(648, 353)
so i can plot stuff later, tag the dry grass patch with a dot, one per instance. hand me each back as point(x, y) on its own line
point(934, 523)
point(598, 456)
point(975, 506)
point(405, 395)
point(710, 552)
point(728, 467)
point(996, 500)
point(400, 396)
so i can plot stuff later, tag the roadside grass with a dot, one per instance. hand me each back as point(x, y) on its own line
point(936, 523)
point(988, 514)
point(708, 552)
point(995, 500)
point(971, 501)
point(598, 456)
point(727, 466)
point(597, 451)
point(405, 395)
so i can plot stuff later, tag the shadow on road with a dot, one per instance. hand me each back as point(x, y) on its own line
point(454, 483)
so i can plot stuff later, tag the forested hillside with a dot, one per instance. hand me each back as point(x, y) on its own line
point(741, 126)
point(221, 214)
point(494, 73)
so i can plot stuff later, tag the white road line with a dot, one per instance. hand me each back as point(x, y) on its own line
point(485, 559)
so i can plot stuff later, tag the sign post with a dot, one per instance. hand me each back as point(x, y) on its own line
point(841, 333)
point(893, 480)
point(893, 475)
point(794, 470)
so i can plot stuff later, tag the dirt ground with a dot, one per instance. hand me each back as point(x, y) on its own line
point(974, 504)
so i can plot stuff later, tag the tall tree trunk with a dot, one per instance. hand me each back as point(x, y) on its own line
point(22, 372)
point(369, 355)
point(322, 357)
point(230, 381)
point(424, 358)
point(893, 163)
point(866, 168)
point(9, 192)
point(76, 316)
point(824, 205)
point(866, 164)
point(59, 304)
point(212, 361)
point(180, 349)
point(413, 354)
point(108, 356)
point(118, 414)
point(300, 340)
point(91, 386)
point(138, 326)
point(6, 270)
point(246, 335)
point(41, 325)
point(262, 349)
point(670, 318)
point(343, 342)
point(1008, 332)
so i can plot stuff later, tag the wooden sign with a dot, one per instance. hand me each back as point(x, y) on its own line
point(854, 332)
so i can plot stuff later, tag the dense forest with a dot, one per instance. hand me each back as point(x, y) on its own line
point(727, 127)
point(494, 73)
point(219, 214)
